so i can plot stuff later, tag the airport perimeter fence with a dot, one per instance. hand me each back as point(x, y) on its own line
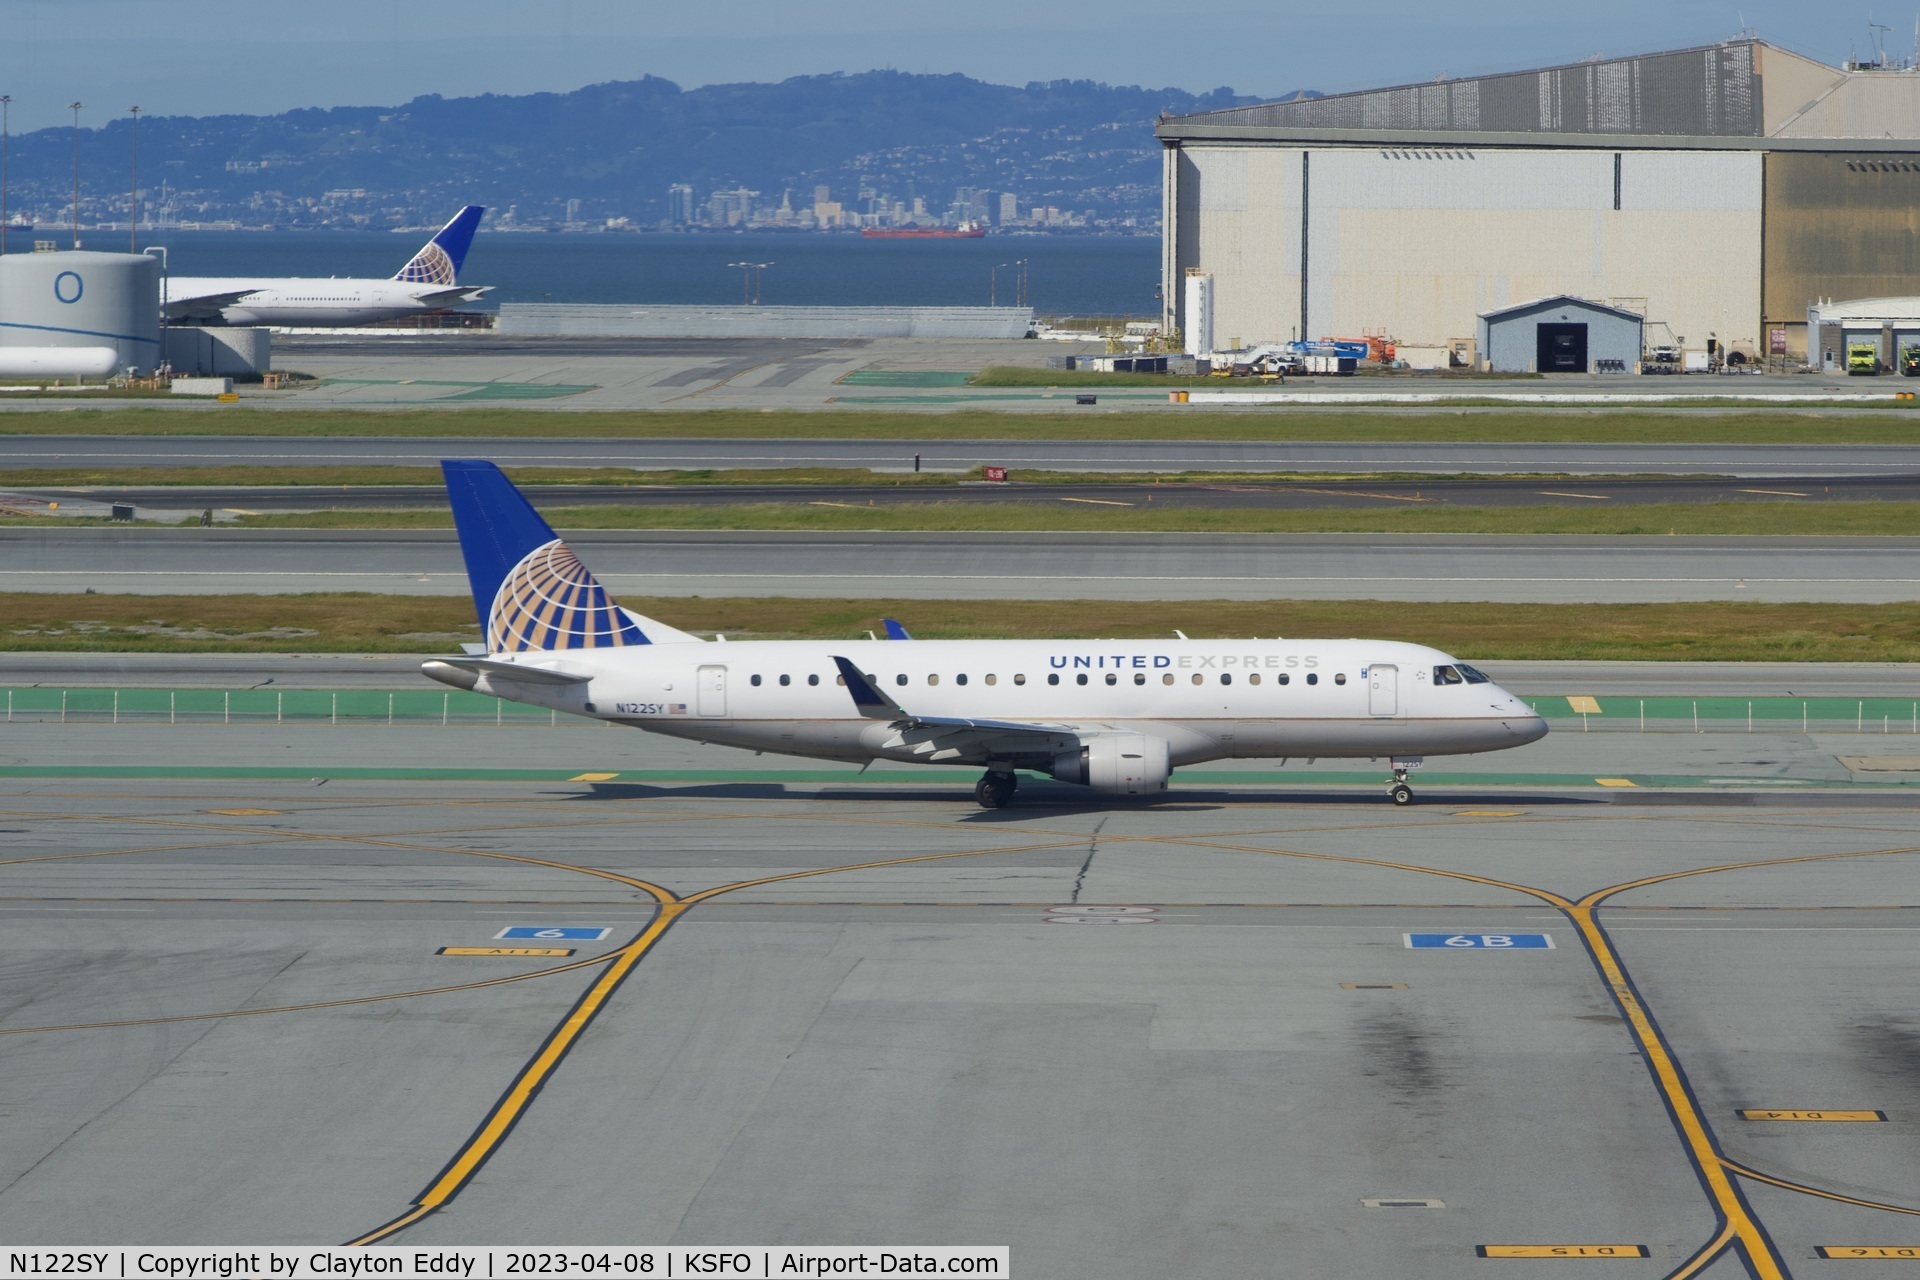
point(459, 708)
point(449, 708)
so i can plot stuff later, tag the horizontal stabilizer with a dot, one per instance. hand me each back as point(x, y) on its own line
point(464, 673)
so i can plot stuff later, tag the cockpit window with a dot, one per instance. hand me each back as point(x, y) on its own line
point(1473, 677)
point(1447, 675)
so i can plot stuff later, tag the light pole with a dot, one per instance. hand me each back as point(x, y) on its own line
point(750, 281)
point(6, 105)
point(76, 173)
point(993, 284)
point(133, 207)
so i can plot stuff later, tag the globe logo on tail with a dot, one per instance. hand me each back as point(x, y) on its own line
point(550, 601)
point(432, 265)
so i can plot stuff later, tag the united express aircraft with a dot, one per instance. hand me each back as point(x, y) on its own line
point(1116, 716)
point(429, 282)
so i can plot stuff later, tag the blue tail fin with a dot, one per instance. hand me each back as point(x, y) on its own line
point(894, 630)
point(529, 590)
point(440, 259)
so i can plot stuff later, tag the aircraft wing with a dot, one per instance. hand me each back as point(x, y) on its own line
point(953, 737)
point(207, 306)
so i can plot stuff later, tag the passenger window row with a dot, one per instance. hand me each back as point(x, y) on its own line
point(1140, 677)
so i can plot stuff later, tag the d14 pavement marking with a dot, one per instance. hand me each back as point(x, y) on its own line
point(244, 813)
point(504, 951)
point(1869, 1251)
point(1373, 986)
point(552, 933)
point(1616, 782)
point(593, 777)
point(1585, 706)
point(1478, 941)
point(1563, 1251)
point(1489, 813)
point(1756, 1113)
point(1401, 1202)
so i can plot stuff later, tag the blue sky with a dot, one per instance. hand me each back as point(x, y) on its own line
point(198, 57)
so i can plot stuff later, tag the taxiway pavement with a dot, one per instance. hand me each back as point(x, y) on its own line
point(1012, 565)
point(1808, 462)
point(879, 1013)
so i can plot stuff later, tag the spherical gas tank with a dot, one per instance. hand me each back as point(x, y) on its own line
point(82, 299)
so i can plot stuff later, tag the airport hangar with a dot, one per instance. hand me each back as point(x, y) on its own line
point(1717, 191)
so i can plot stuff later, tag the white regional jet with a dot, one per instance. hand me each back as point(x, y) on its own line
point(1117, 716)
point(429, 282)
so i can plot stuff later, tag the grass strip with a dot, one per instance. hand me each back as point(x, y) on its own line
point(1740, 424)
point(1857, 519)
point(1714, 631)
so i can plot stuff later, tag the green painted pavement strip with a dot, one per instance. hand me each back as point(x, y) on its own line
point(904, 378)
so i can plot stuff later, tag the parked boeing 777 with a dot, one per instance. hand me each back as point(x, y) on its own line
point(429, 282)
point(1116, 716)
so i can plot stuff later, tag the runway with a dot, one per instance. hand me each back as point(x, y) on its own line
point(1298, 495)
point(864, 1010)
point(1802, 462)
point(1012, 565)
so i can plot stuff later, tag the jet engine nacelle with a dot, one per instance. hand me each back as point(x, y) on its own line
point(1120, 764)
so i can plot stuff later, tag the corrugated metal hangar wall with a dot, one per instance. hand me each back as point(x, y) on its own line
point(1704, 188)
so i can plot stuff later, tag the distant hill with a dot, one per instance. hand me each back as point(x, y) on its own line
point(617, 147)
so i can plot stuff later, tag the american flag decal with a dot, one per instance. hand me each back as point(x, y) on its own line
point(676, 708)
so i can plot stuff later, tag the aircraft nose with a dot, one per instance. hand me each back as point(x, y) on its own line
point(1527, 728)
point(1522, 721)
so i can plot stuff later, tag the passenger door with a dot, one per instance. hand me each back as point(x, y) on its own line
point(711, 692)
point(1383, 690)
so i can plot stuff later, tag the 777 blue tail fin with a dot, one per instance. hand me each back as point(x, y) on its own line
point(529, 590)
point(440, 259)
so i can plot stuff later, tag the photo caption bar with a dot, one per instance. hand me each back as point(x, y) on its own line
point(572, 1262)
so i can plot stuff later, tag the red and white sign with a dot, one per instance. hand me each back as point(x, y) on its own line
point(995, 473)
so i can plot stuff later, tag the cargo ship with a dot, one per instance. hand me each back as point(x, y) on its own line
point(965, 231)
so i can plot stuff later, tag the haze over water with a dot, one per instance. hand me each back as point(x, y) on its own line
point(1066, 274)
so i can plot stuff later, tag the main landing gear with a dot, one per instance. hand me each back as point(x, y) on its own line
point(1401, 793)
point(995, 790)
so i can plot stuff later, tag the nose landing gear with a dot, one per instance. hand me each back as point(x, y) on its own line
point(995, 790)
point(1398, 790)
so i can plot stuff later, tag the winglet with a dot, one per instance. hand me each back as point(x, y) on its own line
point(894, 630)
point(867, 698)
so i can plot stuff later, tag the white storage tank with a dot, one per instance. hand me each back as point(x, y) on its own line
point(79, 298)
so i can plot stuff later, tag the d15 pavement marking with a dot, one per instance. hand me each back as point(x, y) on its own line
point(244, 813)
point(1478, 941)
point(504, 951)
point(1757, 1113)
point(552, 933)
point(1563, 1251)
point(1869, 1251)
point(1373, 986)
point(1585, 706)
point(593, 777)
point(1489, 813)
point(1401, 1202)
point(1616, 782)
